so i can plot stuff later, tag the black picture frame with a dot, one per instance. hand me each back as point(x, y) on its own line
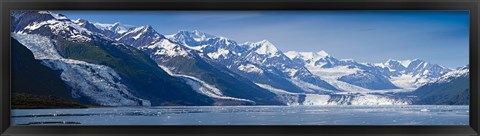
point(220, 5)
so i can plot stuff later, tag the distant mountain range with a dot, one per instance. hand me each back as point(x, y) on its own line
point(116, 65)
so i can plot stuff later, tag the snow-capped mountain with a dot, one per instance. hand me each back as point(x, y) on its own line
point(308, 58)
point(414, 67)
point(319, 59)
point(392, 74)
point(164, 49)
point(139, 36)
point(346, 74)
point(395, 65)
point(265, 48)
point(260, 62)
point(117, 28)
point(411, 73)
point(190, 38)
point(87, 25)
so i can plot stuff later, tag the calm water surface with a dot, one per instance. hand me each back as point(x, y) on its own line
point(247, 115)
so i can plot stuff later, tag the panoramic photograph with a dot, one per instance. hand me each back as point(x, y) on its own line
point(86, 68)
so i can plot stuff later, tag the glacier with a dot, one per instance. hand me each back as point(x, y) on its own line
point(96, 82)
point(203, 88)
point(333, 99)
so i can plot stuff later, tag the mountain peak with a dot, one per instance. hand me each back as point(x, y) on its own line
point(417, 59)
point(140, 36)
point(116, 27)
point(404, 63)
point(106, 25)
point(56, 16)
point(195, 35)
point(322, 53)
point(147, 27)
point(142, 29)
point(82, 22)
point(59, 16)
point(116, 24)
point(192, 33)
point(44, 12)
point(265, 42)
point(183, 32)
point(265, 47)
point(197, 32)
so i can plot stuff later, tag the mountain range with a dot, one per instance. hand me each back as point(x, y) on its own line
point(116, 65)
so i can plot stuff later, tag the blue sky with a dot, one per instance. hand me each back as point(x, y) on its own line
point(439, 37)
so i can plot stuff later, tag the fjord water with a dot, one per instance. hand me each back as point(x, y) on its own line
point(248, 115)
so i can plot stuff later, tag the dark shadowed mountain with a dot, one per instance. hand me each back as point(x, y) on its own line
point(450, 89)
